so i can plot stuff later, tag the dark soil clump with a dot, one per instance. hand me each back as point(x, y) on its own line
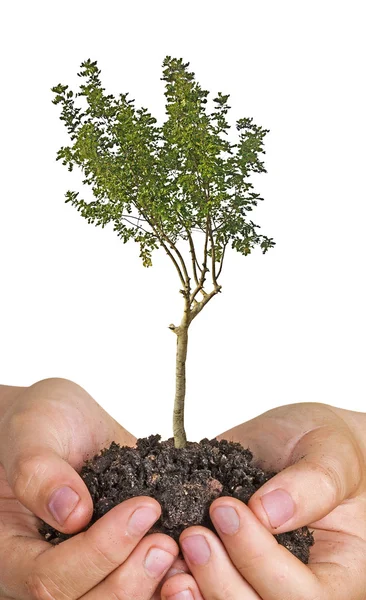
point(185, 481)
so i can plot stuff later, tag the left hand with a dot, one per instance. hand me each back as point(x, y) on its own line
point(47, 431)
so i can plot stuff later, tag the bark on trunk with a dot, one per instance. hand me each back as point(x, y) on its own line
point(180, 438)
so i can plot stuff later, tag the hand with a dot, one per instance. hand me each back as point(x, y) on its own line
point(323, 453)
point(47, 431)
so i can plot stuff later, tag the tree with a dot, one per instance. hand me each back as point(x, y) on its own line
point(159, 184)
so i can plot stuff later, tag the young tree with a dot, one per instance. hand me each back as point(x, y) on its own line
point(158, 184)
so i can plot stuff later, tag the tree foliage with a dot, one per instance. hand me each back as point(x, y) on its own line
point(158, 184)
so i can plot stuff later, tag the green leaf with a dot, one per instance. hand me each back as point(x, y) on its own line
point(158, 183)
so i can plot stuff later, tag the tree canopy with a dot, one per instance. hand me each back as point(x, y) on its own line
point(158, 184)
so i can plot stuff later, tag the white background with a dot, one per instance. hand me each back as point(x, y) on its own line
point(289, 326)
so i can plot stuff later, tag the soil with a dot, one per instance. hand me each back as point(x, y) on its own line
point(185, 481)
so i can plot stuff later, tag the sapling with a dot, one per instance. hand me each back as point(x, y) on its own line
point(159, 185)
point(162, 184)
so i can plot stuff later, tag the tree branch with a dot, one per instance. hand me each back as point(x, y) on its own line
point(133, 217)
point(134, 225)
point(222, 260)
point(199, 286)
point(172, 245)
point(186, 281)
point(212, 255)
point(199, 306)
point(192, 251)
point(187, 278)
point(167, 251)
point(194, 257)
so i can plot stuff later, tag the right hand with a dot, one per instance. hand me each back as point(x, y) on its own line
point(320, 453)
point(46, 433)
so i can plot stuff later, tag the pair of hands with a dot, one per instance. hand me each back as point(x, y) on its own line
point(48, 430)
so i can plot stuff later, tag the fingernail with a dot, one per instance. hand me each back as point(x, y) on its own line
point(157, 561)
point(197, 549)
point(62, 503)
point(141, 520)
point(227, 519)
point(279, 507)
point(185, 595)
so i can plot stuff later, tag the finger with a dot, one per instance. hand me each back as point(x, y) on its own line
point(269, 568)
point(216, 576)
point(141, 573)
point(40, 478)
point(73, 567)
point(178, 567)
point(182, 587)
point(326, 470)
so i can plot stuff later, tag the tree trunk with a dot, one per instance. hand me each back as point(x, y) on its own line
point(180, 438)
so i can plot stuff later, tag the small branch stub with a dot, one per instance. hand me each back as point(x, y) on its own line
point(177, 330)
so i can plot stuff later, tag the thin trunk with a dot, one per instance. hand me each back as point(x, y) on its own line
point(180, 438)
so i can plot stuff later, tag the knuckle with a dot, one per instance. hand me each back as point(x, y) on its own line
point(331, 477)
point(102, 559)
point(225, 592)
point(130, 584)
point(40, 587)
point(253, 562)
point(115, 596)
point(26, 474)
point(122, 593)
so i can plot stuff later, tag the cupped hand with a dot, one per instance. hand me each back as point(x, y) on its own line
point(322, 451)
point(47, 431)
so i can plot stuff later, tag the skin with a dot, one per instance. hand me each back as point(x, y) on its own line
point(47, 431)
point(321, 448)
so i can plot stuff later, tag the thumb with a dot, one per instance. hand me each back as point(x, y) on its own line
point(325, 469)
point(45, 483)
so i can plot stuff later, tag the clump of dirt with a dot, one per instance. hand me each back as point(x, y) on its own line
point(185, 481)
